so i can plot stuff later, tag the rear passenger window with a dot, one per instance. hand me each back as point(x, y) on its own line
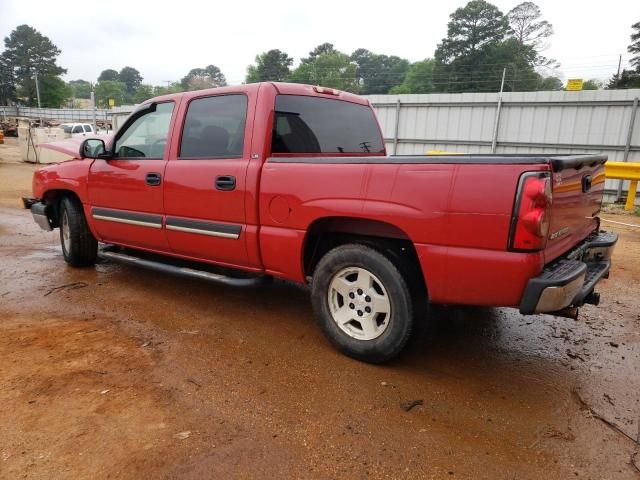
point(214, 127)
point(321, 125)
point(87, 128)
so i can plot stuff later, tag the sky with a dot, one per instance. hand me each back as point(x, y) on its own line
point(166, 40)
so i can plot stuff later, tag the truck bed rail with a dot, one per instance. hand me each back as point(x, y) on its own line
point(558, 162)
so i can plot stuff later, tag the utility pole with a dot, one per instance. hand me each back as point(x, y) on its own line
point(496, 123)
point(619, 63)
point(37, 87)
point(93, 109)
point(35, 74)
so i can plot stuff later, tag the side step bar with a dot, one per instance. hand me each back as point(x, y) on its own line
point(178, 270)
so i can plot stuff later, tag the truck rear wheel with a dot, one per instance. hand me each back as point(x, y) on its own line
point(79, 246)
point(362, 303)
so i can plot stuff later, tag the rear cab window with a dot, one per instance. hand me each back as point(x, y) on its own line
point(314, 125)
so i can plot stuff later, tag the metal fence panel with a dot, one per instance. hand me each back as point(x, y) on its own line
point(63, 114)
point(596, 121)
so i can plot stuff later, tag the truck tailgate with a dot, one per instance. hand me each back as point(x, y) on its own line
point(578, 187)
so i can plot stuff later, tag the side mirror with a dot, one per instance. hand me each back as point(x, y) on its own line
point(93, 148)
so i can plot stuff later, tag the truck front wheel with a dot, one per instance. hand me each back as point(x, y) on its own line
point(362, 303)
point(79, 246)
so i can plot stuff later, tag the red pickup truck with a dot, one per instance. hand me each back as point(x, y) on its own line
point(293, 181)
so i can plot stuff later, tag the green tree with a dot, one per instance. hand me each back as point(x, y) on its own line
point(201, 78)
point(107, 89)
point(592, 84)
point(524, 20)
point(131, 78)
point(483, 71)
point(550, 84)
point(54, 92)
point(273, 66)
point(7, 82)
point(481, 43)
point(470, 29)
point(634, 47)
point(252, 74)
point(630, 78)
point(333, 70)
point(517, 59)
point(474, 53)
point(27, 53)
point(627, 79)
point(528, 28)
point(80, 88)
point(378, 73)
point(173, 87)
point(142, 93)
point(322, 49)
point(419, 78)
point(109, 74)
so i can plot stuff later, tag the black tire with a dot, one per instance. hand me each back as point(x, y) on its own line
point(81, 249)
point(399, 324)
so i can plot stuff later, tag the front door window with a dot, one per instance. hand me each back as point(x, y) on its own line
point(146, 137)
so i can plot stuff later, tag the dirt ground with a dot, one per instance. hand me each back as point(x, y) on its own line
point(115, 372)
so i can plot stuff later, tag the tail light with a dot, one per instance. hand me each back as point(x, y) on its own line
point(531, 212)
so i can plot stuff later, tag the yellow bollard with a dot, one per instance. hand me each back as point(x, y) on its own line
point(631, 195)
point(625, 171)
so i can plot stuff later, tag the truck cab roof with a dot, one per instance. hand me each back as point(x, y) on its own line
point(281, 88)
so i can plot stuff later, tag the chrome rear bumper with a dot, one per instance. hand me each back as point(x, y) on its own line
point(570, 280)
point(558, 297)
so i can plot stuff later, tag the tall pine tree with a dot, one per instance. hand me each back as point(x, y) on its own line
point(29, 53)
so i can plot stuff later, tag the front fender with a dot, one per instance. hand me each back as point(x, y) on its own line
point(71, 176)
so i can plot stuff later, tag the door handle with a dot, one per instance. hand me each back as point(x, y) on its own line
point(153, 179)
point(225, 183)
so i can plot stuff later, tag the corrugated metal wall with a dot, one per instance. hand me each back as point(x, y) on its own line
point(596, 121)
point(62, 114)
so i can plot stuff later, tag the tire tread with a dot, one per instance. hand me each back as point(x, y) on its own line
point(84, 246)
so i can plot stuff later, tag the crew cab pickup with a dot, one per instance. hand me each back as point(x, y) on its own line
point(293, 181)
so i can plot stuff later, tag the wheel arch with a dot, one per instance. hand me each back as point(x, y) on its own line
point(326, 233)
point(52, 198)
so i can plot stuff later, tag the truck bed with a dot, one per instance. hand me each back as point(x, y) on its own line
point(454, 208)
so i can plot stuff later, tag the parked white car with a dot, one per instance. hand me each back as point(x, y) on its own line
point(78, 129)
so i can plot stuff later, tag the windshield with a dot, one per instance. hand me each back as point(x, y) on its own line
point(66, 127)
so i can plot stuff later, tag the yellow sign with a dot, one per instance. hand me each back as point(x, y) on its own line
point(575, 84)
point(112, 102)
